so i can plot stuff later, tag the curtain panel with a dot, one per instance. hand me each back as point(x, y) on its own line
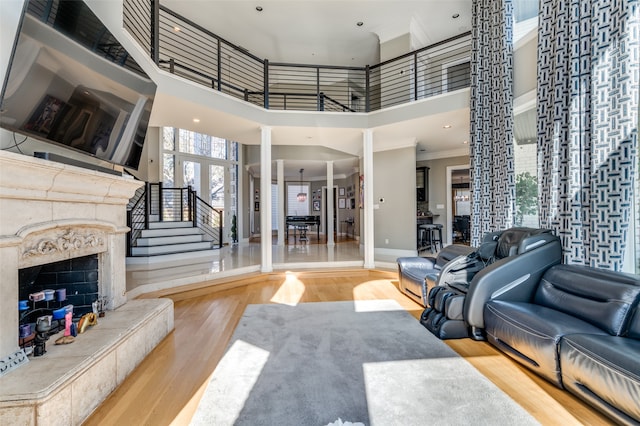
point(491, 148)
point(587, 106)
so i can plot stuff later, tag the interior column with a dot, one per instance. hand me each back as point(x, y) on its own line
point(265, 200)
point(367, 162)
point(281, 198)
point(330, 205)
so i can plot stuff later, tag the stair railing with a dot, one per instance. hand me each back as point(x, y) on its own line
point(164, 204)
point(205, 217)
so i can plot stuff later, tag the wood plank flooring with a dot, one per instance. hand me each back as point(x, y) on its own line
point(167, 386)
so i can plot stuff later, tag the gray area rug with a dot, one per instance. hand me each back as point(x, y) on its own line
point(367, 362)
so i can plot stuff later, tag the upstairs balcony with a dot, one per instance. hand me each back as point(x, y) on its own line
point(186, 49)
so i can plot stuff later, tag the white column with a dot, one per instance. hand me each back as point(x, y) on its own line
point(252, 225)
point(265, 200)
point(240, 198)
point(330, 205)
point(367, 162)
point(281, 199)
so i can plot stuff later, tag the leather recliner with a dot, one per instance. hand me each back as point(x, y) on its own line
point(519, 258)
point(416, 273)
point(580, 330)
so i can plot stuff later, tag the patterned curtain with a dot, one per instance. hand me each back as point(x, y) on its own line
point(588, 60)
point(491, 148)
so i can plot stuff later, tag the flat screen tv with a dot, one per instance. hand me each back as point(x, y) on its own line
point(71, 83)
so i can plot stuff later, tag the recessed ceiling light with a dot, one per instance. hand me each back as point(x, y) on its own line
point(465, 142)
point(196, 120)
point(176, 29)
point(446, 126)
point(359, 23)
point(455, 15)
point(259, 8)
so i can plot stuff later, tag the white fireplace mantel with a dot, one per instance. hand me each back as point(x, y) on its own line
point(51, 211)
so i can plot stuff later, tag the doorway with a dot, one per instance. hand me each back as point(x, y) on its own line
point(458, 204)
point(209, 179)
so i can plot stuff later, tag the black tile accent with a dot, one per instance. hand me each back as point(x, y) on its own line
point(78, 276)
point(71, 277)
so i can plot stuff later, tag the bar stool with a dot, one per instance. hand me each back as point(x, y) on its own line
point(436, 235)
point(425, 240)
point(433, 236)
point(422, 238)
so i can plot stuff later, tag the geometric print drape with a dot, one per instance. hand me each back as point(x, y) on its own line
point(491, 148)
point(587, 107)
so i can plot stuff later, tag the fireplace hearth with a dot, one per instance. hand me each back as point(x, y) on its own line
point(68, 224)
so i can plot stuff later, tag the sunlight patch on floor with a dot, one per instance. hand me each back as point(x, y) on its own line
point(290, 291)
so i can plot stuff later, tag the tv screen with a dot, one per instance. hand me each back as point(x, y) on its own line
point(71, 83)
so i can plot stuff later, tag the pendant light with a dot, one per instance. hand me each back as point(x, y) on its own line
point(302, 196)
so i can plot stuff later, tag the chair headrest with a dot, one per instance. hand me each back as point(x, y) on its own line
point(510, 241)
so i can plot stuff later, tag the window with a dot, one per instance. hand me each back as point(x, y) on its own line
point(526, 170)
point(295, 207)
point(201, 144)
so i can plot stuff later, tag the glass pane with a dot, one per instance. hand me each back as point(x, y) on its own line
point(526, 170)
point(295, 207)
point(168, 138)
point(233, 151)
point(218, 148)
point(191, 175)
point(200, 144)
point(216, 186)
point(168, 170)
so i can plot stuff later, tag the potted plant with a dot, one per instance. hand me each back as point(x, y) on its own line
point(234, 230)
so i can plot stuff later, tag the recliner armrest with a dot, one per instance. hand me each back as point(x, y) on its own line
point(417, 263)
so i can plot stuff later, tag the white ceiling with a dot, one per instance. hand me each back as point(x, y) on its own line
point(324, 32)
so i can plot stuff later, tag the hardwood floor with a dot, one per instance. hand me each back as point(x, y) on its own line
point(166, 387)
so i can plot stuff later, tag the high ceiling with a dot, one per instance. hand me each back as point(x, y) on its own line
point(326, 32)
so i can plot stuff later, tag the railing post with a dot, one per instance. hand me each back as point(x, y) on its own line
point(219, 66)
point(415, 76)
point(266, 84)
point(194, 216)
point(246, 95)
point(189, 190)
point(160, 202)
point(221, 221)
point(147, 204)
point(130, 233)
point(320, 96)
point(155, 31)
point(367, 89)
point(172, 66)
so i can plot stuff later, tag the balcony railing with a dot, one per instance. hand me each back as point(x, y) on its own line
point(186, 49)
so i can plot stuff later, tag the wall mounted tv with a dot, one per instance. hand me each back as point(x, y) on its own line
point(71, 83)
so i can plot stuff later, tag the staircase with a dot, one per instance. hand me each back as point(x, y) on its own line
point(178, 237)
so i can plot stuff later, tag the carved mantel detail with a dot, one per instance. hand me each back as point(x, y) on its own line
point(62, 244)
point(70, 241)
